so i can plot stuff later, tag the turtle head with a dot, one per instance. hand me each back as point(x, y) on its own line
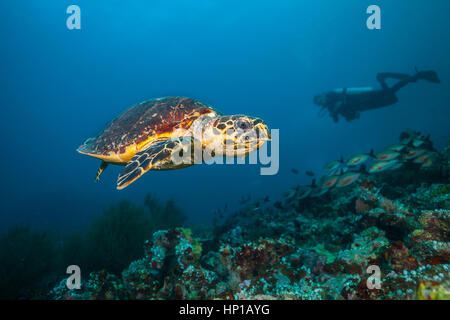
point(236, 135)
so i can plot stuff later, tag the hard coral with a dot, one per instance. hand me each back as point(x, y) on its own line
point(327, 247)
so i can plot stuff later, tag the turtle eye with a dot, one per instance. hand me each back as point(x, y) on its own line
point(242, 124)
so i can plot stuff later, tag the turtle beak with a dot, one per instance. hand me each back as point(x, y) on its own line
point(81, 149)
point(84, 148)
point(263, 132)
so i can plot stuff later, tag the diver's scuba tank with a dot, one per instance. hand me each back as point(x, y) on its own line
point(351, 91)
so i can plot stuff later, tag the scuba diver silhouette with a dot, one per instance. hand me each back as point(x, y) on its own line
point(349, 102)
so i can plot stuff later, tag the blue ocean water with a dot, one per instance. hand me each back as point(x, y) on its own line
point(260, 58)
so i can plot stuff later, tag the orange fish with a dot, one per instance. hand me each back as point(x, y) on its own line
point(347, 179)
point(332, 166)
point(427, 163)
point(396, 166)
point(413, 153)
point(387, 154)
point(359, 158)
point(328, 182)
point(422, 158)
point(380, 166)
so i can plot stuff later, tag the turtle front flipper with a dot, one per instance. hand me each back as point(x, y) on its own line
point(166, 154)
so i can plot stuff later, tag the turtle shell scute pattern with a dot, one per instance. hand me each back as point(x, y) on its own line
point(147, 119)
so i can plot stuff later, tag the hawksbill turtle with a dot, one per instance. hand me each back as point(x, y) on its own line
point(150, 135)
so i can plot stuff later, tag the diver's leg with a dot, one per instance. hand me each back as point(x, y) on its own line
point(382, 80)
point(333, 113)
point(404, 82)
point(405, 79)
point(393, 75)
point(381, 77)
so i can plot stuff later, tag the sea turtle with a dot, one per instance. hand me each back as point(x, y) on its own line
point(155, 134)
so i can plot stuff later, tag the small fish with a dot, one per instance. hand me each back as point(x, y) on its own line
point(341, 171)
point(294, 171)
point(317, 192)
point(359, 158)
point(309, 173)
point(333, 165)
point(328, 181)
point(387, 155)
point(266, 199)
point(347, 179)
point(430, 160)
point(396, 166)
point(334, 172)
point(304, 192)
point(421, 159)
point(428, 163)
point(413, 153)
point(380, 166)
point(290, 193)
point(406, 141)
point(408, 136)
point(337, 172)
point(396, 147)
point(417, 143)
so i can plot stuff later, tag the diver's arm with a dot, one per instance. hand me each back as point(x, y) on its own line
point(333, 109)
point(334, 115)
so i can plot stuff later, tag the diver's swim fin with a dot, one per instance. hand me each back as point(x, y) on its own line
point(430, 76)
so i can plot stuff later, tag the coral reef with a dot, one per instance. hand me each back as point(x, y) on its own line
point(385, 236)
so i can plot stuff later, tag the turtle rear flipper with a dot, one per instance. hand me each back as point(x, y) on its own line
point(102, 168)
point(160, 155)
